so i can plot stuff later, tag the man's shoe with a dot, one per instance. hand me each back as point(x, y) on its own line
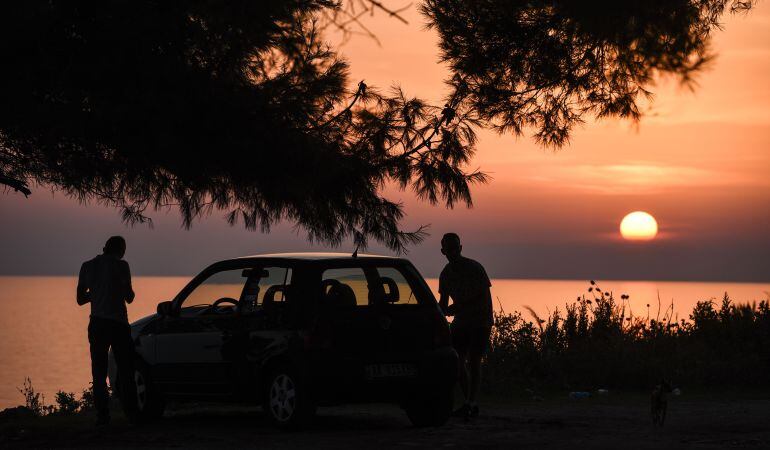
point(463, 411)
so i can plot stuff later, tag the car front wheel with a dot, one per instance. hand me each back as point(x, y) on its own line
point(286, 401)
point(149, 401)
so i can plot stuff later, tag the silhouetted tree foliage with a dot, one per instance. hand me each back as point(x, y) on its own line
point(546, 64)
point(241, 107)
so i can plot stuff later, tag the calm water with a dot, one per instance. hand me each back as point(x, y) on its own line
point(43, 331)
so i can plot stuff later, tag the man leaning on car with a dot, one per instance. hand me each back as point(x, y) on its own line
point(105, 282)
point(467, 283)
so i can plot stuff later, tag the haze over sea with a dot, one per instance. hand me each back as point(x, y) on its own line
point(43, 331)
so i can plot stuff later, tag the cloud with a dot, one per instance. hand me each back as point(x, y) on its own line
point(641, 178)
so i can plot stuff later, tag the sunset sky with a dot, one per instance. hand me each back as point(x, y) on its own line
point(699, 162)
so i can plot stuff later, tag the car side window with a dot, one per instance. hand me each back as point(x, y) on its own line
point(265, 287)
point(345, 287)
point(394, 288)
point(224, 284)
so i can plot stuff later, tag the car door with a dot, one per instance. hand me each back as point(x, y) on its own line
point(189, 347)
point(407, 317)
point(379, 324)
point(343, 321)
point(262, 330)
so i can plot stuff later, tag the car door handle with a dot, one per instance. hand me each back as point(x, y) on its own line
point(226, 335)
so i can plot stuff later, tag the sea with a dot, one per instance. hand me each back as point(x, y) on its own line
point(43, 331)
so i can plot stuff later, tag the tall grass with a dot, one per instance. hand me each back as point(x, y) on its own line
point(597, 343)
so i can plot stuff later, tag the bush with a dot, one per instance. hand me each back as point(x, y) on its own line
point(87, 398)
point(34, 401)
point(597, 343)
point(66, 402)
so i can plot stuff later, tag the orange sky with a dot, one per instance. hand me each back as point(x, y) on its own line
point(699, 162)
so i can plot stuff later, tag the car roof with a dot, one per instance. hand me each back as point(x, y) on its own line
point(318, 256)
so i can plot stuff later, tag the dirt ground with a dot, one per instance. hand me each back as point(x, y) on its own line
point(615, 421)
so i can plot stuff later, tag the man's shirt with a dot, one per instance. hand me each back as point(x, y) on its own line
point(107, 281)
point(467, 283)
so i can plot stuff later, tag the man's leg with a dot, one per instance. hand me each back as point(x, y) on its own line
point(463, 372)
point(123, 349)
point(460, 344)
point(99, 345)
point(477, 350)
point(464, 410)
point(474, 367)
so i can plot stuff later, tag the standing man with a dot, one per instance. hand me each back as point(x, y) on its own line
point(467, 283)
point(105, 282)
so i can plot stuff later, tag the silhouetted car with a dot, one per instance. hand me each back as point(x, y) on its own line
point(296, 331)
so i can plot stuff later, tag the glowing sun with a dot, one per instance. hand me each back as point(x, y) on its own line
point(638, 226)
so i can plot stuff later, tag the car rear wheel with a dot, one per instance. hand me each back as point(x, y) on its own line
point(286, 400)
point(430, 409)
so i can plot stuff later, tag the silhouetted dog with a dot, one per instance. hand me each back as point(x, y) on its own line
point(659, 402)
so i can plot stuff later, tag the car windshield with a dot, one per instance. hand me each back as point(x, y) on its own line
point(248, 288)
point(220, 285)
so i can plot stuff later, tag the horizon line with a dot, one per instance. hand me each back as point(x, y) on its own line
point(586, 280)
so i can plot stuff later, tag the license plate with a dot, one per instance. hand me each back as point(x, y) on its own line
point(398, 370)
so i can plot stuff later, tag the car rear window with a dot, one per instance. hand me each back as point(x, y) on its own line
point(345, 287)
point(397, 289)
point(363, 286)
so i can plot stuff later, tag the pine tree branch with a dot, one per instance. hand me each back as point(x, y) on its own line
point(16, 185)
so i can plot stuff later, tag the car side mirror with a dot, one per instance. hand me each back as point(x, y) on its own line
point(165, 309)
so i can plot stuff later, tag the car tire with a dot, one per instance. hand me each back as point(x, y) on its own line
point(286, 399)
point(430, 409)
point(149, 400)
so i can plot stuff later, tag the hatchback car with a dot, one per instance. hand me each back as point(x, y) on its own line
point(297, 331)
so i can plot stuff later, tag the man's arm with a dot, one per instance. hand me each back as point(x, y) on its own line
point(488, 293)
point(490, 304)
point(129, 289)
point(443, 303)
point(83, 295)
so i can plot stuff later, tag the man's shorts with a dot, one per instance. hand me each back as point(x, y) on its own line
point(471, 340)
